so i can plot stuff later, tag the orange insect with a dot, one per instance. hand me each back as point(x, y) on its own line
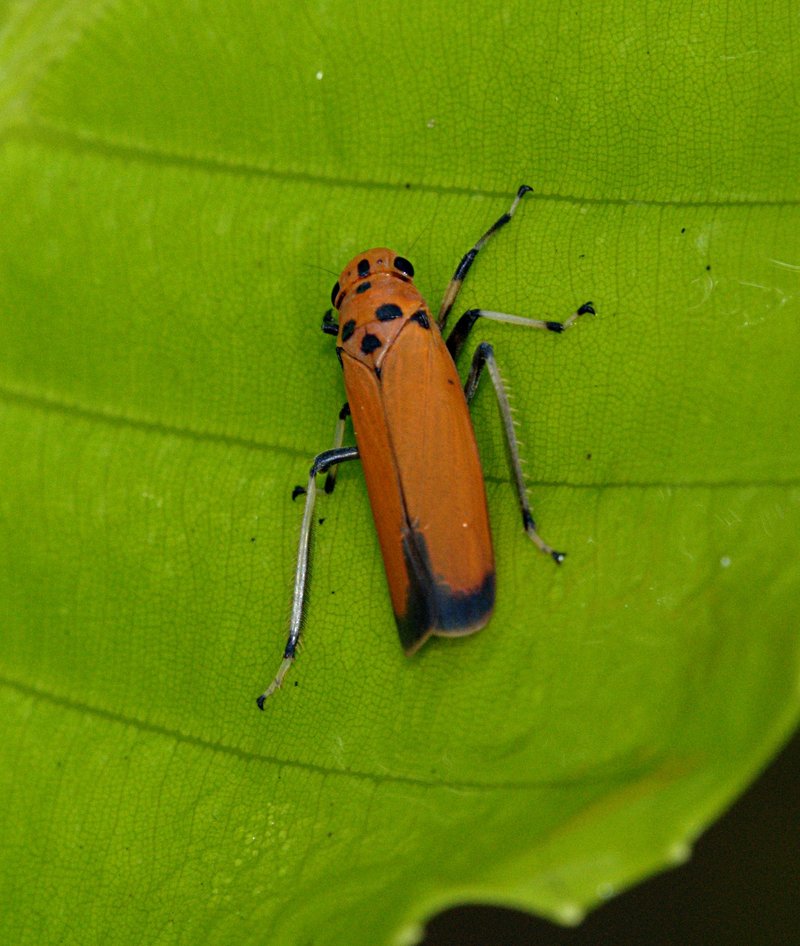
point(417, 446)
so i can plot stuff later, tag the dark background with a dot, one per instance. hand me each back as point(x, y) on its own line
point(741, 886)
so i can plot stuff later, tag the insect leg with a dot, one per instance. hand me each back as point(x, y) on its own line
point(484, 358)
point(322, 462)
point(338, 439)
point(462, 328)
point(463, 267)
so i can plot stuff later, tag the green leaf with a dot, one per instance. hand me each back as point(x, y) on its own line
point(179, 183)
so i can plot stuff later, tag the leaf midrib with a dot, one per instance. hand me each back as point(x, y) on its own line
point(82, 142)
point(49, 404)
point(620, 776)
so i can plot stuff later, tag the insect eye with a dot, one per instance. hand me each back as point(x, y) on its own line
point(403, 265)
point(334, 293)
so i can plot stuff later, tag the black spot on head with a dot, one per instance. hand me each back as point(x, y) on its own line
point(369, 343)
point(422, 318)
point(362, 287)
point(401, 263)
point(363, 267)
point(347, 329)
point(388, 311)
point(334, 293)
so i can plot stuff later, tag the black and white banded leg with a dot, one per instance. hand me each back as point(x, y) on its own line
point(457, 338)
point(338, 440)
point(322, 463)
point(454, 287)
point(484, 358)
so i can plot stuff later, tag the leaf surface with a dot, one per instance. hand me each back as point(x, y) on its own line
point(179, 185)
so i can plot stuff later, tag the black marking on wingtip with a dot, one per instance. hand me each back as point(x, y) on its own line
point(298, 491)
point(433, 606)
point(587, 309)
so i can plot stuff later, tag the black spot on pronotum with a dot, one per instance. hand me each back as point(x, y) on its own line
point(334, 293)
point(422, 318)
point(388, 311)
point(362, 287)
point(347, 329)
point(363, 267)
point(401, 263)
point(298, 491)
point(369, 343)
